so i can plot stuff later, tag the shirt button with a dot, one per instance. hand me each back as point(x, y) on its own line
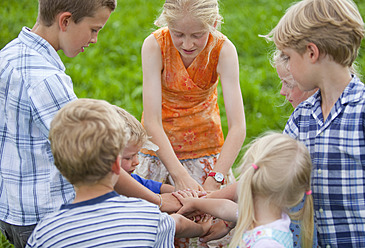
point(321, 210)
point(319, 171)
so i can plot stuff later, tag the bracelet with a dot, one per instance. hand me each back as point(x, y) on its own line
point(160, 201)
point(228, 225)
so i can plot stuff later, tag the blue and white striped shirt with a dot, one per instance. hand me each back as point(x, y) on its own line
point(337, 148)
point(109, 220)
point(33, 87)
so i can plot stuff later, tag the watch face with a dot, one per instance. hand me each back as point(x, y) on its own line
point(219, 177)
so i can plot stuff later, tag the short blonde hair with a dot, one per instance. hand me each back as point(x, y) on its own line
point(282, 177)
point(138, 135)
point(334, 26)
point(49, 9)
point(86, 137)
point(207, 11)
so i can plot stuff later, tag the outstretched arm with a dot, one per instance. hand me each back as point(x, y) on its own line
point(228, 192)
point(128, 186)
point(220, 208)
point(229, 74)
point(152, 67)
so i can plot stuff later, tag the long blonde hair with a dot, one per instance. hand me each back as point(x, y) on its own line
point(282, 177)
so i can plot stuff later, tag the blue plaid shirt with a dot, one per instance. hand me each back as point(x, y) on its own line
point(337, 148)
point(33, 87)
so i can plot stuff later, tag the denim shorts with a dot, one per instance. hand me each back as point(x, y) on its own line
point(17, 235)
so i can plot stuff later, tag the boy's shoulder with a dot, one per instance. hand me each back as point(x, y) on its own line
point(354, 93)
point(99, 206)
point(31, 57)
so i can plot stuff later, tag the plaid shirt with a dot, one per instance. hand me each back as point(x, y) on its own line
point(33, 87)
point(337, 148)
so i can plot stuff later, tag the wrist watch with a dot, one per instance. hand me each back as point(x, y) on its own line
point(219, 177)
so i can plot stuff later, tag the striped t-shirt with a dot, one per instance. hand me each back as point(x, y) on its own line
point(110, 220)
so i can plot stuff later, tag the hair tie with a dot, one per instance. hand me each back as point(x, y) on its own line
point(309, 192)
point(254, 166)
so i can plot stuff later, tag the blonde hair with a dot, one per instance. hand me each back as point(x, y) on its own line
point(138, 135)
point(334, 26)
point(207, 11)
point(49, 9)
point(282, 177)
point(86, 137)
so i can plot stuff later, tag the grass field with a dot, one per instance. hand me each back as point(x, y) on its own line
point(111, 69)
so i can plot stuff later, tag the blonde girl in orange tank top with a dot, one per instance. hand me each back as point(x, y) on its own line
point(182, 64)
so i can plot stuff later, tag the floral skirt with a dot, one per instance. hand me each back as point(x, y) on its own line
point(151, 167)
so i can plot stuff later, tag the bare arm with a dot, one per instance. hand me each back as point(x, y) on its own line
point(228, 192)
point(167, 188)
point(220, 208)
point(229, 74)
point(152, 67)
point(128, 186)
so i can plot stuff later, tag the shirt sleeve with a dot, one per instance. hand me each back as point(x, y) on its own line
point(165, 231)
point(291, 127)
point(154, 186)
point(49, 96)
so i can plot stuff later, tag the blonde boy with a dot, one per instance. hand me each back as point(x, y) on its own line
point(87, 140)
point(138, 139)
point(33, 87)
point(321, 40)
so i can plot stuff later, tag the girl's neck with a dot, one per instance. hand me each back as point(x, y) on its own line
point(187, 61)
point(265, 212)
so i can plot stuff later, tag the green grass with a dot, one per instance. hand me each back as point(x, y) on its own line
point(111, 69)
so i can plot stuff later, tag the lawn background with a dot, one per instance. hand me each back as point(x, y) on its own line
point(111, 69)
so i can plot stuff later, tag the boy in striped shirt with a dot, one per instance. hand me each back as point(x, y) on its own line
point(87, 141)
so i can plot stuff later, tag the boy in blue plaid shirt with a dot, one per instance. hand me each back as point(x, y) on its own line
point(33, 87)
point(321, 39)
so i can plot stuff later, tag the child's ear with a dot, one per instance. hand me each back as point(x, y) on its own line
point(117, 165)
point(64, 20)
point(313, 52)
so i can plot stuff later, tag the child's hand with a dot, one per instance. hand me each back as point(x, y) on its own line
point(185, 196)
point(187, 199)
point(189, 193)
point(206, 223)
point(216, 231)
point(187, 182)
point(170, 204)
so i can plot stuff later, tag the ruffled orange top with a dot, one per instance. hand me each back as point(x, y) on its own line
point(190, 113)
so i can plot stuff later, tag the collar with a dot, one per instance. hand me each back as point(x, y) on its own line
point(353, 93)
point(42, 46)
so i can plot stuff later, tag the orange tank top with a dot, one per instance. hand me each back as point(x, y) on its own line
point(190, 112)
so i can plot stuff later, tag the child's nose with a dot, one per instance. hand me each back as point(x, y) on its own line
point(283, 90)
point(94, 39)
point(135, 160)
point(187, 43)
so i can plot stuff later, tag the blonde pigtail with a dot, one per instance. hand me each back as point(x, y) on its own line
point(246, 218)
point(307, 225)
